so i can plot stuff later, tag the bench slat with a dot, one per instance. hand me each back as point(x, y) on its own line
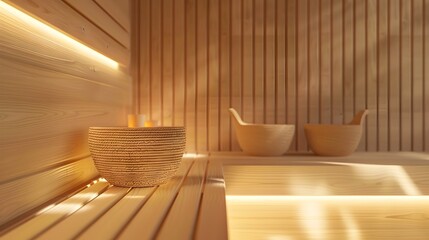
point(44, 220)
point(111, 223)
point(77, 222)
point(213, 206)
point(181, 219)
point(148, 220)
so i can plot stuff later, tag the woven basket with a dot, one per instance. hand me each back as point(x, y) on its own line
point(137, 157)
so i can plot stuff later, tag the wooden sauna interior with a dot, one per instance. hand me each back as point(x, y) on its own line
point(185, 63)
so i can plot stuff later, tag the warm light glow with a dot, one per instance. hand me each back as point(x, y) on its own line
point(45, 209)
point(394, 171)
point(85, 196)
point(272, 198)
point(64, 208)
point(56, 36)
point(194, 155)
point(278, 237)
point(352, 227)
point(315, 224)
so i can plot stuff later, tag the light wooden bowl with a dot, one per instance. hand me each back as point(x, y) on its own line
point(137, 157)
point(262, 139)
point(335, 140)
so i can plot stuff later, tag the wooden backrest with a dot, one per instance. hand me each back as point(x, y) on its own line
point(50, 93)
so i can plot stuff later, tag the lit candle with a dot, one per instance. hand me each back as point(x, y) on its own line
point(148, 124)
point(136, 120)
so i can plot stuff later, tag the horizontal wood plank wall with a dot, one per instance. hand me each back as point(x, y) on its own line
point(287, 61)
point(90, 22)
point(51, 94)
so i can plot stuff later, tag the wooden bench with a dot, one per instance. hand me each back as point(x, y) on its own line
point(192, 205)
point(189, 206)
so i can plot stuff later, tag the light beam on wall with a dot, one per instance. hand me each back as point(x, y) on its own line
point(57, 35)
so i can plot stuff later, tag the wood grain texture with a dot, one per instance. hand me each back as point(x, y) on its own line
point(383, 76)
point(74, 225)
point(97, 15)
point(280, 67)
point(19, 196)
point(417, 85)
point(291, 66)
point(56, 213)
point(248, 56)
point(191, 73)
point(425, 74)
point(167, 63)
point(258, 60)
point(325, 62)
point(156, 208)
point(332, 198)
point(48, 117)
point(309, 218)
point(213, 80)
point(145, 57)
point(179, 64)
point(50, 93)
point(360, 56)
point(348, 59)
point(333, 180)
point(236, 65)
point(213, 207)
point(368, 195)
point(68, 20)
point(202, 77)
point(122, 212)
point(224, 75)
point(337, 61)
point(394, 73)
point(314, 86)
point(302, 70)
point(406, 75)
point(182, 217)
point(371, 75)
point(296, 62)
point(119, 11)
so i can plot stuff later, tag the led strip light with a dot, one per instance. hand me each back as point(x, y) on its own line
point(59, 36)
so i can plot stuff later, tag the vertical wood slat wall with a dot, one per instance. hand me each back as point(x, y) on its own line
point(287, 61)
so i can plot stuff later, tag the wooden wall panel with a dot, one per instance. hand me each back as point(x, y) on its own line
point(202, 76)
point(24, 194)
point(119, 11)
point(50, 93)
point(236, 65)
point(417, 84)
point(98, 16)
point(302, 70)
point(394, 76)
point(291, 65)
point(300, 61)
point(425, 74)
point(371, 63)
point(337, 40)
point(191, 73)
point(75, 23)
point(359, 56)
point(225, 75)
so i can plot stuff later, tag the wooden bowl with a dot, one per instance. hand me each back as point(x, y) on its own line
point(263, 139)
point(335, 140)
point(137, 157)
